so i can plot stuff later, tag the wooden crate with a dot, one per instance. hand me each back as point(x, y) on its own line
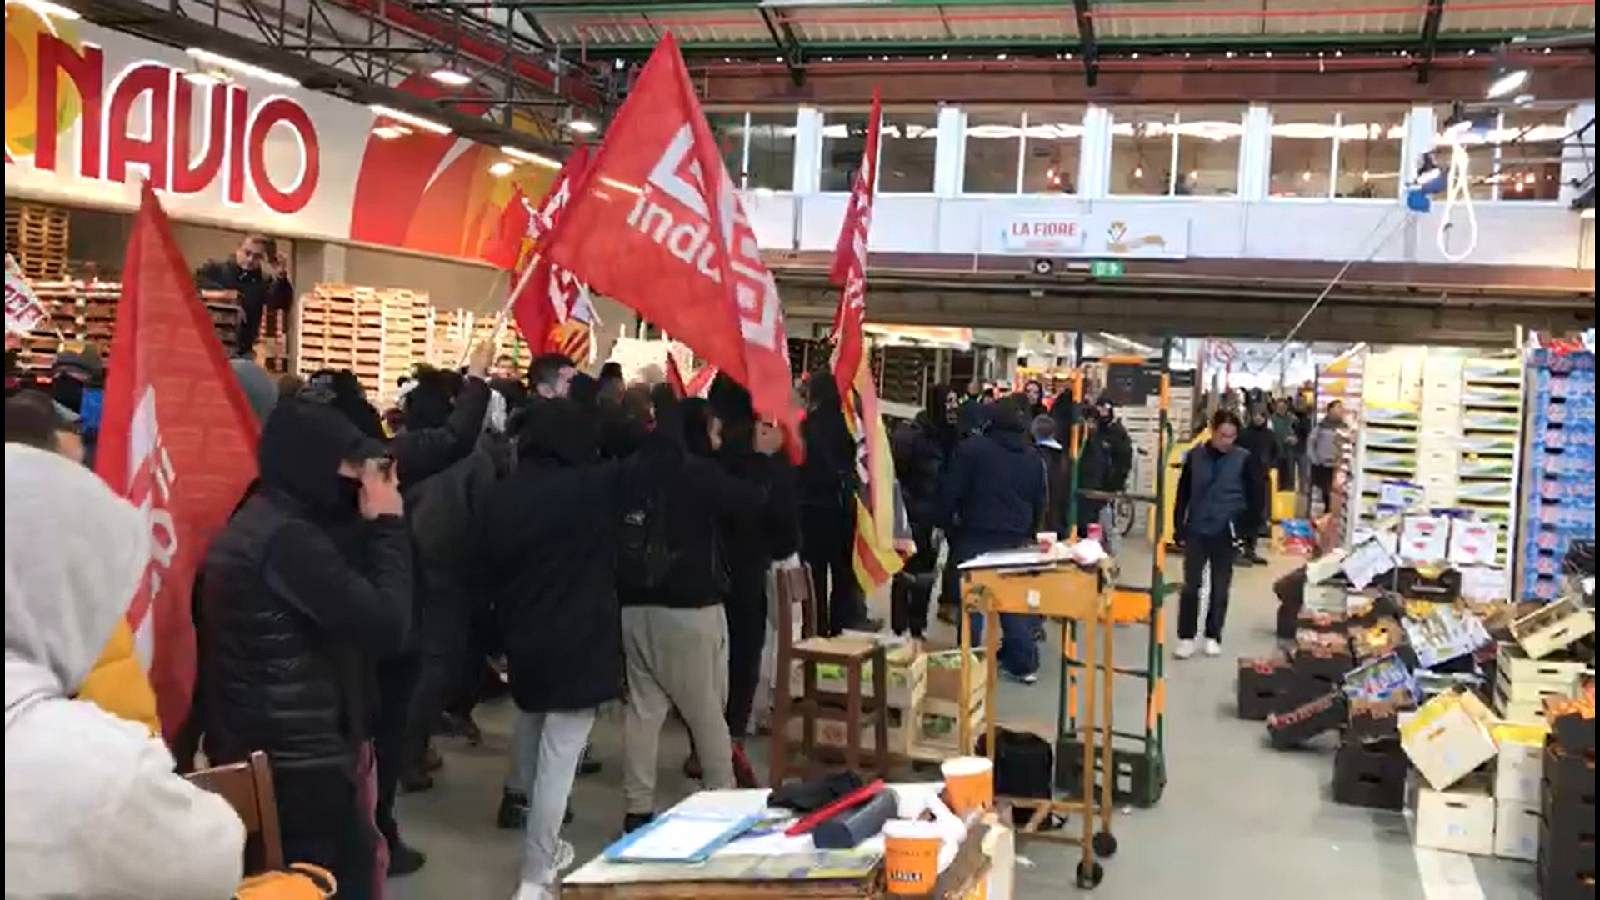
point(36, 235)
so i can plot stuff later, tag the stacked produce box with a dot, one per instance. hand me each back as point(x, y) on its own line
point(1559, 484)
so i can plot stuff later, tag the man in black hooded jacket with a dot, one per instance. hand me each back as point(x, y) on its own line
point(922, 449)
point(309, 582)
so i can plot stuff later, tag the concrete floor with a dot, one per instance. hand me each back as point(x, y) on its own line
point(1239, 820)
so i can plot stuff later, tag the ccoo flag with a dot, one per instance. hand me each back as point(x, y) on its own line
point(658, 226)
point(177, 438)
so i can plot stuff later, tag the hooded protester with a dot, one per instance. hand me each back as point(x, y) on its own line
point(552, 530)
point(1057, 482)
point(93, 807)
point(443, 511)
point(994, 496)
point(306, 586)
point(750, 553)
point(827, 509)
point(1107, 459)
point(922, 449)
point(257, 385)
point(674, 624)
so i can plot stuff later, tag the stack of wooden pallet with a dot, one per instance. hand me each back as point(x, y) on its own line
point(340, 326)
point(82, 314)
point(405, 319)
point(36, 236)
point(455, 331)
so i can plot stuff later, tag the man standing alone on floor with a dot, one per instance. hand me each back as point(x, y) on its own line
point(1327, 446)
point(260, 278)
point(1219, 498)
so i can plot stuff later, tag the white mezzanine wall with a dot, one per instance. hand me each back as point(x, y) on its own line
point(1205, 186)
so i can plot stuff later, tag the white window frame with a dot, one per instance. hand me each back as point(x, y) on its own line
point(1239, 175)
point(744, 149)
point(1494, 161)
point(1333, 164)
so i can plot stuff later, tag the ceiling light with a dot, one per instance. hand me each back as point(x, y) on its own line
point(583, 126)
point(522, 155)
point(1306, 175)
point(1138, 171)
point(451, 77)
point(1523, 99)
point(48, 9)
point(409, 118)
point(501, 168)
point(243, 68)
point(389, 132)
point(202, 78)
point(1506, 82)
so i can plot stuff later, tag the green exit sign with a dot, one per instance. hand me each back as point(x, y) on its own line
point(1107, 268)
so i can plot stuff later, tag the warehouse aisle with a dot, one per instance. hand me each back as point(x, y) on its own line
point(1239, 820)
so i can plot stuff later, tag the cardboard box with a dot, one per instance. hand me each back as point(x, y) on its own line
point(1460, 819)
point(1516, 830)
point(1449, 737)
point(1518, 771)
point(907, 679)
point(942, 696)
point(831, 733)
point(938, 735)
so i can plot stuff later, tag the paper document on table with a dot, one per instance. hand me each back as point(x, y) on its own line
point(1005, 559)
point(679, 837)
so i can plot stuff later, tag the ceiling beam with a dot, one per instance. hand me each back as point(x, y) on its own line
point(1430, 39)
point(1357, 79)
point(1088, 46)
point(788, 45)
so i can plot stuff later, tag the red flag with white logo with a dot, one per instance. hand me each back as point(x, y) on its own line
point(657, 225)
point(550, 305)
point(177, 438)
point(850, 259)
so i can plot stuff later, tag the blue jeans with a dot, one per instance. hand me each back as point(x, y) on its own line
point(1019, 655)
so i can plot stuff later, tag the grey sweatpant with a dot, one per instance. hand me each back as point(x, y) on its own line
point(547, 746)
point(675, 658)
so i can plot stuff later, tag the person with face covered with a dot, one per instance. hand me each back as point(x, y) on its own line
point(308, 584)
point(93, 807)
point(1106, 460)
point(922, 449)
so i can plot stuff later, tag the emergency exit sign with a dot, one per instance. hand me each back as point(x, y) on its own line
point(1107, 268)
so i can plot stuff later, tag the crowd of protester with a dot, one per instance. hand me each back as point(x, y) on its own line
point(585, 540)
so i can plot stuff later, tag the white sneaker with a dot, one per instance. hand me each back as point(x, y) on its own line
point(566, 855)
point(1184, 650)
point(1213, 648)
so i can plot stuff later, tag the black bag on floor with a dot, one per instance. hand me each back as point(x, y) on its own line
point(1023, 766)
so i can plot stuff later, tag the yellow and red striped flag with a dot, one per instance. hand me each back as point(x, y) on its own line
point(883, 538)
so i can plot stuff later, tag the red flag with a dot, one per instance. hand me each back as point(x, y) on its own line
point(503, 248)
point(657, 225)
point(177, 438)
point(850, 259)
point(675, 378)
point(700, 382)
point(545, 296)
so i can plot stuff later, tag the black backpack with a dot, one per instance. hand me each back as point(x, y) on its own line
point(645, 553)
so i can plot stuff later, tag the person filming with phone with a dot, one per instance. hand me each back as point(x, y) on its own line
point(304, 589)
point(259, 275)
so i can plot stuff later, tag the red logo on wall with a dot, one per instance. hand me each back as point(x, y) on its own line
point(235, 129)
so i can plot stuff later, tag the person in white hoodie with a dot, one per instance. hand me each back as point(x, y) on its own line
point(93, 807)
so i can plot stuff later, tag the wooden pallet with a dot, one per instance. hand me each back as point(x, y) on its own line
point(36, 236)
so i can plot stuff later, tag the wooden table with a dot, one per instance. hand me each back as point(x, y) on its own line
point(726, 877)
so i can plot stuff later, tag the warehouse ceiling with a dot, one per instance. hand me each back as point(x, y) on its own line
point(533, 68)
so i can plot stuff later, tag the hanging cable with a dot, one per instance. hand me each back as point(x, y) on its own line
point(1338, 277)
point(1458, 189)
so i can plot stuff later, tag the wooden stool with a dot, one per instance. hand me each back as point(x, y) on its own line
point(850, 707)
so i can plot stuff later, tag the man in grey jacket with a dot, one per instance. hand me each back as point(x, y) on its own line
point(1220, 496)
point(1327, 445)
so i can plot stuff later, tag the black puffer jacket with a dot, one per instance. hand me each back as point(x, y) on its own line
point(290, 619)
point(993, 495)
point(551, 535)
point(922, 448)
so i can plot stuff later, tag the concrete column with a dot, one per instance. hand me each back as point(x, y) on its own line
point(1255, 154)
point(949, 155)
point(1094, 157)
point(808, 150)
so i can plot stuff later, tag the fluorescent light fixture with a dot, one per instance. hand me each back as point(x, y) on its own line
point(390, 132)
point(408, 118)
point(243, 68)
point(451, 77)
point(501, 168)
point(1507, 83)
point(48, 9)
point(202, 78)
point(521, 155)
point(1523, 99)
point(583, 126)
